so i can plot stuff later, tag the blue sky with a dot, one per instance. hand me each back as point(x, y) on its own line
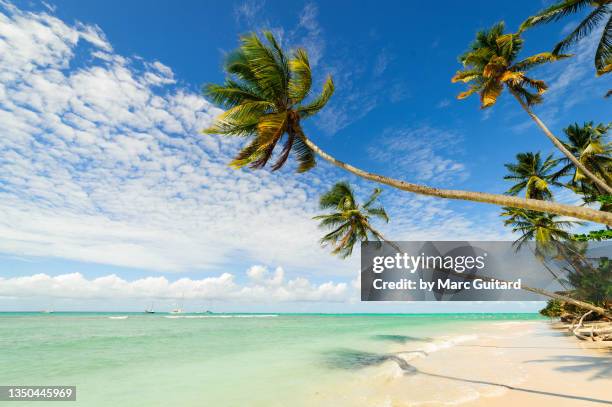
point(110, 197)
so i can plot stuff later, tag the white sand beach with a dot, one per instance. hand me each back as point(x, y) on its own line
point(523, 363)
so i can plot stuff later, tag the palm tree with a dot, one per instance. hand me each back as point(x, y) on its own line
point(589, 145)
point(266, 96)
point(601, 14)
point(491, 64)
point(533, 176)
point(545, 228)
point(349, 220)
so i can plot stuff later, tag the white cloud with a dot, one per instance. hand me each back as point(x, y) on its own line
point(222, 287)
point(310, 33)
point(382, 62)
point(421, 154)
point(102, 162)
point(248, 11)
point(443, 103)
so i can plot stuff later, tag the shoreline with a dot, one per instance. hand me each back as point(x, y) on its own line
point(507, 363)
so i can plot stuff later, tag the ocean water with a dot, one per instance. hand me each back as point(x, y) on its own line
point(219, 359)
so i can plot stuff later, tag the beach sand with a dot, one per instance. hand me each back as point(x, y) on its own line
point(522, 363)
point(557, 369)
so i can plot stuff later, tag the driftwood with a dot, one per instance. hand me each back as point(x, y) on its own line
point(593, 333)
point(575, 330)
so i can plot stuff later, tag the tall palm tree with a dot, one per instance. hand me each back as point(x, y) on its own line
point(533, 175)
point(589, 144)
point(491, 64)
point(349, 220)
point(601, 13)
point(266, 96)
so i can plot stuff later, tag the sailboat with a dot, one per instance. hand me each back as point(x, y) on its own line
point(178, 309)
point(149, 310)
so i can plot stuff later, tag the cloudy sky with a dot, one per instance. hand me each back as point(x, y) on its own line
point(110, 197)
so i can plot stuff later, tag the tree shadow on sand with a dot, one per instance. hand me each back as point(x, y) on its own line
point(400, 338)
point(600, 366)
point(350, 359)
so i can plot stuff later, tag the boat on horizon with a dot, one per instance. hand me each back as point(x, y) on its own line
point(179, 308)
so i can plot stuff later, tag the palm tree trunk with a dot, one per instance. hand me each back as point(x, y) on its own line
point(598, 181)
point(580, 304)
point(384, 239)
point(496, 199)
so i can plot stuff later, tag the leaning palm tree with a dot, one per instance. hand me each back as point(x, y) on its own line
point(533, 175)
point(601, 14)
point(350, 221)
point(491, 65)
point(588, 143)
point(267, 96)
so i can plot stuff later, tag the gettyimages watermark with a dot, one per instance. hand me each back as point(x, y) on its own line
point(471, 271)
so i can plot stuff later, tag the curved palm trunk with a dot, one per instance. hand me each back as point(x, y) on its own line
point(598, 181)
point(496, 199)
point(384, 239)
point(581, 304)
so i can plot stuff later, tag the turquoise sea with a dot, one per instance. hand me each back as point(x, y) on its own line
point(209, 360)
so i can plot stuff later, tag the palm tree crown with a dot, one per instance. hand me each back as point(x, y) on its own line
point(266, 97)
point(349, 220)
point(533, 175)
point(545, 228)
point(601, 14)
point(588, 143)
point(491, 63)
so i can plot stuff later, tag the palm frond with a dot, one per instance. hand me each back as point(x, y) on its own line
point(320, 101)
point(603, 54)
point(490, 93)
point(246, 156)
point(539, 59)
point(375, 194)
point(337, 196)
point(264, 65)
point(555, 12)
point(270, 128)
point(583, 29)
point(301, 77)
point(379, 213)
point(247, 111)
point(465, 76)
point(527, 97)
point(304, 155)
point(471, 90)
point(231, 93)
point(225, 127)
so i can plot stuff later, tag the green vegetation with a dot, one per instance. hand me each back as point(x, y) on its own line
point(533, 176)
point(350, 221)
point(267, 95)
point(265, 100)
point(601, 14)
point(491, 65)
